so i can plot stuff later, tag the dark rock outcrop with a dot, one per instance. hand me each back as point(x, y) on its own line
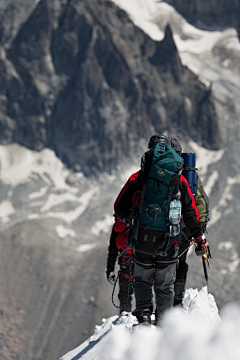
point(79, 77)
point(212, 13)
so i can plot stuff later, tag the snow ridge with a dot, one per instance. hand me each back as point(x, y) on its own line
point(192, 332)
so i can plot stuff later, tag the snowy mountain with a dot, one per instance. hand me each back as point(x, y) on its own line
point(195, 331)
point(55, 222)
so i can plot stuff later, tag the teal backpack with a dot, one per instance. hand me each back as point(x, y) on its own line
point(160, 186)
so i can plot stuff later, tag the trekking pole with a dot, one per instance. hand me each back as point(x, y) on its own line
point(205, 268)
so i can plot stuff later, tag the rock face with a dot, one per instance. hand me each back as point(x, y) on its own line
point(212, 12)
point(79, 77)
point(48, 293)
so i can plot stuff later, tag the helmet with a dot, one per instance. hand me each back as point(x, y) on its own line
point(176, 145)
point(155, 139)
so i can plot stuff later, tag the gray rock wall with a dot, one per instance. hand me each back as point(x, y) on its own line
point(80, 78)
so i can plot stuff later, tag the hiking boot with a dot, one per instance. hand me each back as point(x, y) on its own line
point(179, 289)
point(146, 318)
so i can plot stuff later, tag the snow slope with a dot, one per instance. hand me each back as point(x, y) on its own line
point(194, 332)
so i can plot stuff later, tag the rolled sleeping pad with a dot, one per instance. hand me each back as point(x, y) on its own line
point(189, 171)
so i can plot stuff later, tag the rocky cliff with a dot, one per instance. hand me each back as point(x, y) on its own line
point(80, 78)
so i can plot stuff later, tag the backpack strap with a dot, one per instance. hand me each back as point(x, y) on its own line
point(190, 168)
point(156, 210)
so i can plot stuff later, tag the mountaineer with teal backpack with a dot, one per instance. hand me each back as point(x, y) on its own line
point(158, 199)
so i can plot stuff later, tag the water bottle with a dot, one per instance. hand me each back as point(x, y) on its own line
point(174, 217)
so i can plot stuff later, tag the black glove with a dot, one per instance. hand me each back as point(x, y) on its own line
point(111, 276)
point(201, 247)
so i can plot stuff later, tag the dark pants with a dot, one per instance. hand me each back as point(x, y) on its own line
point(182, 267)
point(181, 273)
point(126, 288)
point(160, 272)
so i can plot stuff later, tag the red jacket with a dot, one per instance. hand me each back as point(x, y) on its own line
point(119, 226)
point(119, 235)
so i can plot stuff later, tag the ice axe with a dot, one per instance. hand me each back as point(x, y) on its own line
point(206, 261)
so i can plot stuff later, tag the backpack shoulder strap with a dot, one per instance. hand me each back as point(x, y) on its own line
point(146, 163)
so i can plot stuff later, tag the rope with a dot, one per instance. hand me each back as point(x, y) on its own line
point(185, 250)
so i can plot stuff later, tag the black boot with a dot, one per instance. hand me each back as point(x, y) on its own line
point(125, 307)
point(179, 285)
point(144, 318)
point(179, 289)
